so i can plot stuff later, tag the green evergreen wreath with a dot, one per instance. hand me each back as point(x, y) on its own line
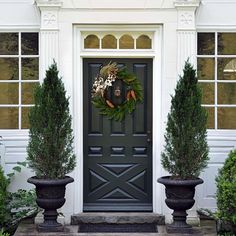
point(106, 78)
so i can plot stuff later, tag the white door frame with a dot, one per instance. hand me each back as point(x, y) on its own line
point(78, 56)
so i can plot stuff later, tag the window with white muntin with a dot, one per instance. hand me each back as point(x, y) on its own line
point(216, 68)
point(19, 74)
point(117, 40)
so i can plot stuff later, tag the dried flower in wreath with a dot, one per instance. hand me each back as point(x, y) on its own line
point(105, 80)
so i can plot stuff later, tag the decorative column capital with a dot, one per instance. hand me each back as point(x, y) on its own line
point(49, 13)
point(186, 13)
point(48, 3)
point(186, 3)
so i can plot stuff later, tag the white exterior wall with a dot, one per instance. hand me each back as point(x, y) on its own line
point(176, 41)
point(15, 16)
point(215, 16)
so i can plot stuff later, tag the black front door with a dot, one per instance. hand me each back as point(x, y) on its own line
point(118, 155)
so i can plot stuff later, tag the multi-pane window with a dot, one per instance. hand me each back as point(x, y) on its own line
point(19, 74)
point(216, 68)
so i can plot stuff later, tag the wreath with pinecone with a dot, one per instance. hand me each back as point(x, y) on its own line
point(103, 91)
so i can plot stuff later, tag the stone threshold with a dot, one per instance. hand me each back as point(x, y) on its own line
point(117, 218)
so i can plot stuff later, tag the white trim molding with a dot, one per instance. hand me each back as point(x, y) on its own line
point(186, 31)
point(49, 33)
point(79, 54)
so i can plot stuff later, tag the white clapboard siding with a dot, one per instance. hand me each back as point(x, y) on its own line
point(13, 150)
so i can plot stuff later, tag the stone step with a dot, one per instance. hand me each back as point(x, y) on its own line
point(117, 218)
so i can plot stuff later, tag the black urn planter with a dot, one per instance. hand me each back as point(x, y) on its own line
point(179, 197)
point(50, 196)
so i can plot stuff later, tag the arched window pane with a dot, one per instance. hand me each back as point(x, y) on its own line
point(91, 41)
point(109, 42)
point(126, 42)
point(143, 42)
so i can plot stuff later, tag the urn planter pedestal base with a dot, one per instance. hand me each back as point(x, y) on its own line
point(50, 223)
point(179, 224)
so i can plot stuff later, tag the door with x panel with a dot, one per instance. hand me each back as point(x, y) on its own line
point(118, 155)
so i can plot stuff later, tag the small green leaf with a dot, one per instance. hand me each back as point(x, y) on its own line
point(17, 168)
point(22, 163)
point(10, 175)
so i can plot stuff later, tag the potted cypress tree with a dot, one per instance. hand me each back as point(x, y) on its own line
point(50, 150)
point(185, 152)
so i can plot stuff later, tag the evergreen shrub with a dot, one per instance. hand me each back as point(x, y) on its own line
point(4, 213)
point(186, 150)
point(50, 148)
point(226, 191)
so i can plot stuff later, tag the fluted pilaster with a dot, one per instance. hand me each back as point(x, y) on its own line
point(49, 33)
point(186, 32)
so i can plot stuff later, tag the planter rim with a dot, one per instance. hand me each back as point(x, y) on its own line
point(36, 181)
point(166, 180)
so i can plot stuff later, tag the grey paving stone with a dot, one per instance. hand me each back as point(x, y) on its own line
point(208, 229)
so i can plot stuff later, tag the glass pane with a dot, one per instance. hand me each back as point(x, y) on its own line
point(143, 42)
point(226, 118)
point(9, 44)
point(9, 69)
point(226, 69)
point(24, 117)
point(27, 93)
point(9, 118)
point(211, 117)
point(109, 41)
point(226, 93)
point(91, 41)
point(208, 93)
point(30, 68)
point(206, 43)
point(9, 93)
point(126, 42)
point(29, 44)
point(205, 68)
point(227, 43)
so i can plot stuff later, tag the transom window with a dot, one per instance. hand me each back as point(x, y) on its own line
point(216, 68)
point(19, 74)
point(117, 40)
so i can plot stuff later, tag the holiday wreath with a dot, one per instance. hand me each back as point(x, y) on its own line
point(104, 82)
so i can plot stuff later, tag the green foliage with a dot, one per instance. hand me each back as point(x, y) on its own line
point(2, 233)
point(14, 206)
point(128, 106)
point(4, 195)
point(226, 190)
point(50, 150)
point(186, 150)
